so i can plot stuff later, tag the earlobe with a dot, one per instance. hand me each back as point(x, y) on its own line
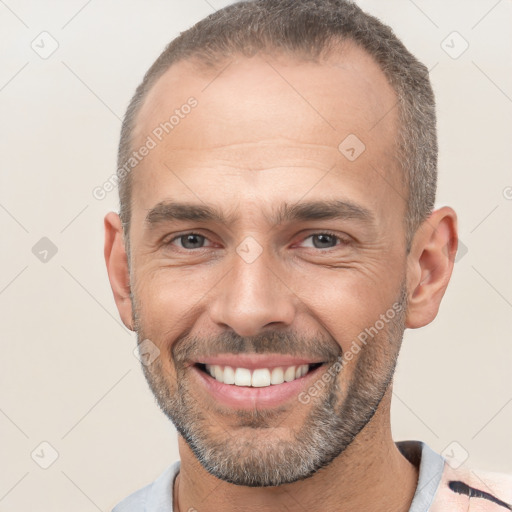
point(430, 266)
point(117, 267)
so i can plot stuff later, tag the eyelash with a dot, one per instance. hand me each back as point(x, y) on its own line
point(341, 240)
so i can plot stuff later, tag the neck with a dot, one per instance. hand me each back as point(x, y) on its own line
point(370, 474)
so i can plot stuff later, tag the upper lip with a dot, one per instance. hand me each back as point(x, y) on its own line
point(255, 361)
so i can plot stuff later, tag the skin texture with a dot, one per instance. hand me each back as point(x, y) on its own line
point(266, 132)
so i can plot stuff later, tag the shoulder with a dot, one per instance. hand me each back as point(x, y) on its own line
point(156, 496)
point(446, 486)
point(473, 489)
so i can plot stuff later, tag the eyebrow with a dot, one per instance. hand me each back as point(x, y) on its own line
point(168, 211)
point(322, 210)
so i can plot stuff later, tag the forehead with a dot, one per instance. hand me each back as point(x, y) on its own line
point(266, 112)
point(347, 90)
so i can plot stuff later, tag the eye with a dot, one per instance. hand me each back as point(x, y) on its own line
point(189, 241)
point(322, 240)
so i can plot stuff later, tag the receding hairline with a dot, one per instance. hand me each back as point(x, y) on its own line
point(336, 52)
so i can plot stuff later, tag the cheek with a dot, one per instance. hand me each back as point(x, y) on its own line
point(347, 305)
point(169, 299)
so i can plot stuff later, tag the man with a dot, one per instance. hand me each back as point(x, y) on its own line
point(277, 176)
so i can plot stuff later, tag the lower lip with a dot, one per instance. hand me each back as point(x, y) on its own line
point(245, 397)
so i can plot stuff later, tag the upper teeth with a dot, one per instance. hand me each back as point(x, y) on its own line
point(262, 377)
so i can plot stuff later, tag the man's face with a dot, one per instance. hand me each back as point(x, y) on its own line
point(256, 243)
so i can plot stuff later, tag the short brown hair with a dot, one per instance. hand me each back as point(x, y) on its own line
point(309, 28)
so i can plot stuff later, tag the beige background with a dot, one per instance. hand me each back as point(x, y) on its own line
point(68, 375)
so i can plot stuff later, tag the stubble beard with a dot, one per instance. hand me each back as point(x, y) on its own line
point(254, 453)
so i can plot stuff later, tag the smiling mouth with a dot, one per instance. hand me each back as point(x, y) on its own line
point(256, 378)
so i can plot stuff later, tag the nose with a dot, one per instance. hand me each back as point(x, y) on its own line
point(253, 296)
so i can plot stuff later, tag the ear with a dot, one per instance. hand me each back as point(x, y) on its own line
point(429, 266)
point(117, 267)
